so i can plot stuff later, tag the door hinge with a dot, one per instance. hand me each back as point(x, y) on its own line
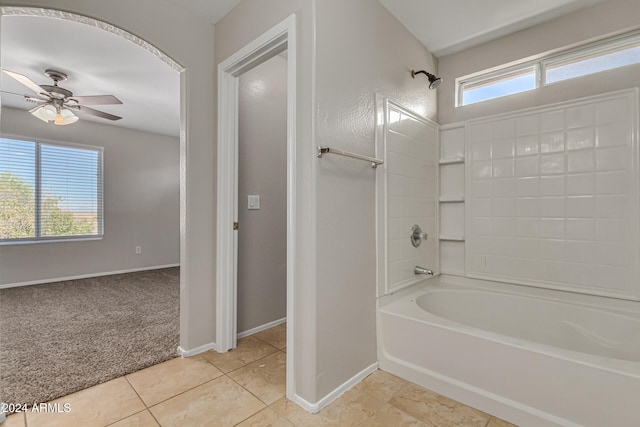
point(236, 225)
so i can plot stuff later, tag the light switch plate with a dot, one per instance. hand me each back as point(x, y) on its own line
point(254, 201)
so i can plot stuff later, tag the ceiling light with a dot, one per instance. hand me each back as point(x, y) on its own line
point(65, 117)
point(50, 114)
point(46, 112)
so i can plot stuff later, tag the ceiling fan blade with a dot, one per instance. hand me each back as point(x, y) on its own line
point(96, 100)
point(98, 113)
point(25, 81)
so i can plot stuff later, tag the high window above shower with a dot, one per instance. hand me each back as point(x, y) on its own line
point(530, 74)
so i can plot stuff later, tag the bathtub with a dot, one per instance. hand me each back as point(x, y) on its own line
point(533, 357)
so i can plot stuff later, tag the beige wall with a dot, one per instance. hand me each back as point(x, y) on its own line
point(141, 204)
point(362, 50)
point(609, 17)
point(188, 40)
point(262, 170)
point(247, 21)
point(347, 52)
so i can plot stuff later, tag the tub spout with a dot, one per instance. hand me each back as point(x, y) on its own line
point(422, 270)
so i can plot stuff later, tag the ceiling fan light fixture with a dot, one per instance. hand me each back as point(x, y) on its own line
point(65, 117)
point(46, 113)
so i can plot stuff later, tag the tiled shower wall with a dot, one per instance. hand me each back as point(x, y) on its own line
point(550, 198)
point(406, 193)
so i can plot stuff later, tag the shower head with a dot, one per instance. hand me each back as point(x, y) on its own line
point(434, 81)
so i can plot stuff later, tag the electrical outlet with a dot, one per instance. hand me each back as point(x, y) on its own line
point(138, 250)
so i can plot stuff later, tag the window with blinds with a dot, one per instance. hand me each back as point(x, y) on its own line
point(49, 191)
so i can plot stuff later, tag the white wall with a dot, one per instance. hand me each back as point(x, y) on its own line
point(141, 204)
point(187, 39)
point(262, 170)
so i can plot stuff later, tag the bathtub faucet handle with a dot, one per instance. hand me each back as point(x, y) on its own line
point(422, 270)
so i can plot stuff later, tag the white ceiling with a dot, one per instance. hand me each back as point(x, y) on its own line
point(449, 26)
point(99, 62)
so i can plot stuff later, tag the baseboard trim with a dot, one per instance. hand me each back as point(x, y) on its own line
point(86, 276)
point(339, 391)
point(261, 328)
point(195, 351)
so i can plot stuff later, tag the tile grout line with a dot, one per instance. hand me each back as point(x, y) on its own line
point(142, 400)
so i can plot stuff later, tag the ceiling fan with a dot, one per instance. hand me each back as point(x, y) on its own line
point(57, 104)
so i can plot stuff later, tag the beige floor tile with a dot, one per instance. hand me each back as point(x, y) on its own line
point(436, 410)
point(351, 409)
point(265, 378)
point(15, 420)
point(266, 418)
point(96, 406)
point(497, 422)
point(249, 350)
point(388, 415)
point(165, 380)
point(220, 402)
point(141, 419)
point(276, 336)
point(382, 385)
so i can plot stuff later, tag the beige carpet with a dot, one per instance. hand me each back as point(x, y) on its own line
point(62, 337)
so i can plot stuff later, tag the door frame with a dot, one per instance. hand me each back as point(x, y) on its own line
point(279, 38)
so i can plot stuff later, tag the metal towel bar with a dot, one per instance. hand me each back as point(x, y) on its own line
point(374, 162)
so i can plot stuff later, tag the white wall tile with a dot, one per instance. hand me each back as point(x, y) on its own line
point(551, 164)
point(614, 158)
point(581, 207)
point(559, 205)
point(527, 145)
point(580, 184)
point(481, 169)
point(504, 129)
point(612, 134)
point(552, 142)
point(552, 207)
point(502, 148)
point(504, 187)
point(503, 168)
point(528, 207)
point(552, 228)
point(580, 161)
point(452, 257)
point(612, 206)
point(551, 121)
point(612, 111)
point(527, 187)
point(528, 125)
point(452, 218)
point(452, 143)
point(552, 185)
point(578, 139)
point(482, 189)
point(580, 116)
point(580, 229)
point(527, 166)
point(611, 230)
point(452, 180)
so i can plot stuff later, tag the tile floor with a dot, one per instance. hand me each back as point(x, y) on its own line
point(246, 387)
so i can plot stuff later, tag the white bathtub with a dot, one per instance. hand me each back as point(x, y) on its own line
point(533, 357)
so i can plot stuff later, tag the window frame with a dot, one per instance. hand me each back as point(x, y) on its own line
point(542, 63)
point(38, 238)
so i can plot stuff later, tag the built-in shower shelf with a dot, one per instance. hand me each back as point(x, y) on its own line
point(451, 199)
point(452, 237)
point(453, 161)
